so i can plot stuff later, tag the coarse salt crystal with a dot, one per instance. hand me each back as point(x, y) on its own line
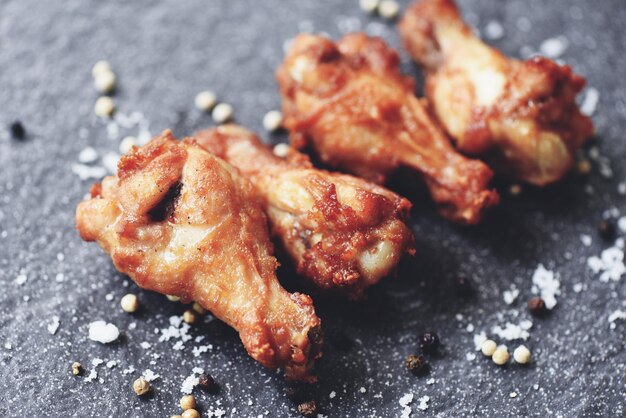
point(191, 381)
point(423, 405)
point(103, 332)
point(149, 375)
point(87, 155)
point(588, 107)
point(510, 295)
point(494, 30)
point(618, 314)
point(610, 264)
point(546, 283)
point(553, 47)
point(513, 332)
point(21, 279)
point(479, 339)
point(54, 325)
point(585, 239)
point(85, 172)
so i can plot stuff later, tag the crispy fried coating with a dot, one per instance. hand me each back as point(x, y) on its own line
point(349, 103)
point(180, 221)
point(341, 232)
point(520, 116)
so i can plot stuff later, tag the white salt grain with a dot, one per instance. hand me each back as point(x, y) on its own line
point(588, 107)
point(510, 295)
point(149, 375)
point(546, 283)
point(553, 47)
point(586, 240)
point(85, 172)
point(423, 405)
point(610, 264)
point(54, 325)
point(494, 30)
point(618, 314)
point(512, 331)
point(103, 332)
point(87, 155)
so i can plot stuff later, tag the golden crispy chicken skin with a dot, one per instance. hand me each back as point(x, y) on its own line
point(349, 103)
point(521, 116)
point(180, 221)
point(341, 232)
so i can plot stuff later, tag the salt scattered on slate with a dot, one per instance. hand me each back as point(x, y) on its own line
point(546, 283)
point(423, 405)
point(53, 326)
point(588, 107)
point(585, 239)
point(494, 30)
point(103, 332)
point(618, 314)
point(479, 339)
point(405, 401)
point(553, 47)
point(610, 263)
point(21, 279)
point(510, 295)
point(512, 332)
point(87, 155)
point(150, 376)
point(85, 172)
point(191, 381)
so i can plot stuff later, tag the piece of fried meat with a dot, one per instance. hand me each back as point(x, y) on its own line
point(341, 232)
point(520, 116)
point(349, 103)
point(182, 222)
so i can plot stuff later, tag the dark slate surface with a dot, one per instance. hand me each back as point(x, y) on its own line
point(163, 55)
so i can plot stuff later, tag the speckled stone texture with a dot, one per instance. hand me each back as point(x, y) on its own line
point(163, 54)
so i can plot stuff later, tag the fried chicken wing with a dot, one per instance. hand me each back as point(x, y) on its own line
point(350, 104)
point(180, 221)
point(520, 116)
point(341, 232)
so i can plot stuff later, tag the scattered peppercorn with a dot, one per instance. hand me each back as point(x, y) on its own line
point(515, 189)
point(129, 303)
point(522, 354)
point(191, 413)
point(206, 382)
point(583, 167)
point(500, 356)
point(172, 298)
point(607, 230)
point(429, 342)
point(141, 386)
point(77, 369)
point(488, 347)
point(308, 409)
point(198, 308)
point(416, 364)
point(188, 402)
point(17, 130)
point(189, 317)
point(536, 306)
point(464, 286)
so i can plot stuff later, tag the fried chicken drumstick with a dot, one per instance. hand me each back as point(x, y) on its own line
point(521, 116)
point(341, 232)
point(349, 103)
point(180, 221)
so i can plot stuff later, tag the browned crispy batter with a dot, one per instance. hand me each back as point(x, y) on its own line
point(342, 233)
point(180, 221)
point(521, 116)
point(350, 104)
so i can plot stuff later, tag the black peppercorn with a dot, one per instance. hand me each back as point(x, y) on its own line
point(17, 130)
point(206, 381)
point(308, 409)
point(416, 364)
point(536, 306)
point(607, 230)
point(429, 342)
